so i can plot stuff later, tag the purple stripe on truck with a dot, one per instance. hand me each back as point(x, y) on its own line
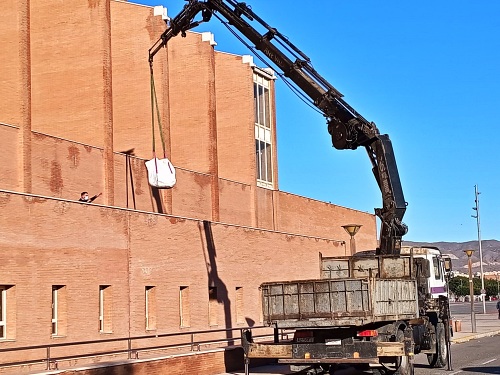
point(438, 289)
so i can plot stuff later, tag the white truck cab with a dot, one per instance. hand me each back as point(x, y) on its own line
point(438, 268)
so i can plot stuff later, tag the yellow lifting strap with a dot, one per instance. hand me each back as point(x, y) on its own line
point(155, 108)
point(161, 173)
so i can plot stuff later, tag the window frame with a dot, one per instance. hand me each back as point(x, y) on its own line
point(150, 311)
point(263, 123)
point(55, 307)
point(3, 312)
point(101, 307)
point(184, 307)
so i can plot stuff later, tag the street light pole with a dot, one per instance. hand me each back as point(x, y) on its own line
point(471, 291)
point(498, 286)
point(478, 220)
point(352, 229)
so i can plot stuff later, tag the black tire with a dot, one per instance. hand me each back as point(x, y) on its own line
point(402, 365)
point(439, 359)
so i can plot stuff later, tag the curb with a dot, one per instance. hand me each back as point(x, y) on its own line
point(474, 336)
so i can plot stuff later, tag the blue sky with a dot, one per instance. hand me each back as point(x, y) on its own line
point(427, 73)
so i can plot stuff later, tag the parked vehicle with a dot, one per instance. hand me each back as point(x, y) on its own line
point(367, 309)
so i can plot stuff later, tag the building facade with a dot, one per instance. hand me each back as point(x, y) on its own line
point(75, 115)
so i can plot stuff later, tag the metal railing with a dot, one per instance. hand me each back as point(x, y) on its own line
point(132, 345)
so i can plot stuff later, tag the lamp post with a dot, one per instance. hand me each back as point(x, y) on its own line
point(498, 286)
point(352, 229)
point(478, 220)
point(471, 291)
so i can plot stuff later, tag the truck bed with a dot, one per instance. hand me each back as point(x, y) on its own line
point(338, 302)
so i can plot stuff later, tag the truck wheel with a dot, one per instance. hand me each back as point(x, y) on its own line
point(439, 359)
point(402, 365)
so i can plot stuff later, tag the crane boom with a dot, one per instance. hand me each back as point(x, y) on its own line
point(348, 129)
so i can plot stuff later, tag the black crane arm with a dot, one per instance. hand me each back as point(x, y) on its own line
point(347, 127)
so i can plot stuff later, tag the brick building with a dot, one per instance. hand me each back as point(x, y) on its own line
point(75, 89)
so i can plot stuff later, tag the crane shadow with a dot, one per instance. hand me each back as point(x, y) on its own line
point(218, 292)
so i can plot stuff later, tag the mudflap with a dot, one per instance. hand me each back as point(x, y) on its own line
point(265, 350)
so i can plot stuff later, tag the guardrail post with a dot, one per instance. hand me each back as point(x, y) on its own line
point(192, 342)
point(48, 357)
point(129, 341)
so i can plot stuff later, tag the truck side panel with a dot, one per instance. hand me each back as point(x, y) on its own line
point(338, 302)
point(379, 266)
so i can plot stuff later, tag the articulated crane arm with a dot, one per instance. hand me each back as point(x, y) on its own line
point(347, 128)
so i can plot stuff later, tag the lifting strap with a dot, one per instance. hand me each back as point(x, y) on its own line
point(162, 175)
point(154, 106)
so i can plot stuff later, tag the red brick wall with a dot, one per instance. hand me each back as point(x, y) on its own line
point(134, 30)
point(67, 62)
point(68, 100)
point(131, 185)
point(64, 169)
point(191, 90)
point(10, 73)
point(237, 203)
point(235, 119)
point(9, 157)
point(297, 214)
point(265, 208)
point(48, 242)
point(202, 363)
point(191, 195)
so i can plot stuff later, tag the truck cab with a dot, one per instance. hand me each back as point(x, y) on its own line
point(436, 268)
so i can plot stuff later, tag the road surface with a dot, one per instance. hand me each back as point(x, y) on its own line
point(464, 307)
point(480, 356)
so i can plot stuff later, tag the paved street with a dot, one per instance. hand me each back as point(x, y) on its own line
point(479, 356)
point(464, 307)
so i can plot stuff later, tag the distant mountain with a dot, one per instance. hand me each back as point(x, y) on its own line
point(489, 248)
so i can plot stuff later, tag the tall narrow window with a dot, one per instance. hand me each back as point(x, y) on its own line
point(150, 307)
point(184, 307)
point(3, 312)
point(263, 137)
point(105, 309)
point(7, 312)
point(59, 310)
point(212, 306)
point(55, 307)
point(239, 306)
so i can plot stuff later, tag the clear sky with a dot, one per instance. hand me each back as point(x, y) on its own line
point(427, 73)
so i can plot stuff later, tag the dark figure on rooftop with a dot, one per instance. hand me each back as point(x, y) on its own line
point(84, 197)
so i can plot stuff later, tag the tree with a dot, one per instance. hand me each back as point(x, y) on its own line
point(459, 285)
point(491, 287)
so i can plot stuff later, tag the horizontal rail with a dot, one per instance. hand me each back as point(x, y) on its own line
point(130, 348)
